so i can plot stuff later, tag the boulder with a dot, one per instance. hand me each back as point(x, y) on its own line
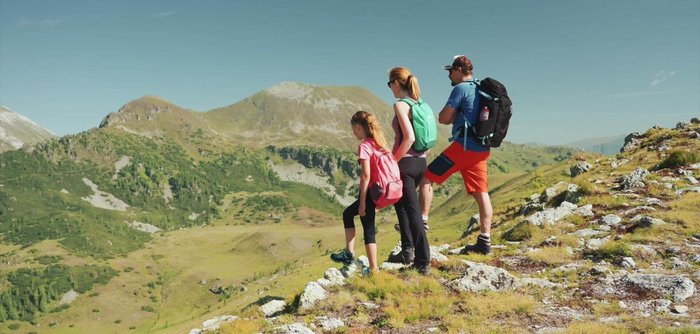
point(610, 220)
point(480, 277)
point(677, 287)
point(273, 307)
point(635, 180)
point(632, 141)
point(313, 293)
point(435, 255)
point(646, 221)
point(579, 168)
point(214, 323)
point(329, 324)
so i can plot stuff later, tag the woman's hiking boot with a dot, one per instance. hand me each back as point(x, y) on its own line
point(344, 257)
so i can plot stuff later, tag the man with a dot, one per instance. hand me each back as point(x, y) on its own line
point(464, 155)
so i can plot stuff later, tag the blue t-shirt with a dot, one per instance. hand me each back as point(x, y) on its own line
point(463, 100)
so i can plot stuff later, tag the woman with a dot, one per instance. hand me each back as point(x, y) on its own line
point(412, 164)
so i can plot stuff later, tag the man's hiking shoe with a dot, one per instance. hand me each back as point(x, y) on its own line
point(404, 256)
point(343, 257)
point(425, 271)
point(482, 246)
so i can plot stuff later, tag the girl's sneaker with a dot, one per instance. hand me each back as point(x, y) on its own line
point(344, 257)
point(366, 272)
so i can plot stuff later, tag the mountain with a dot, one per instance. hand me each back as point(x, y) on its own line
point(177, 213)
point(17, 131)
point(603, 145)
point(298, 114)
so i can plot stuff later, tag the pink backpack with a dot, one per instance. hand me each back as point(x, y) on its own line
point(385, 186)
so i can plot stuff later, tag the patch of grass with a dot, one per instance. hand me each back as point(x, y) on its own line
point(679, 158)
point(520, 232)
point(506, 312)
point(241, 326)
point(401, 310)
point(611, 250)
point(594, 327)
point(557, 255)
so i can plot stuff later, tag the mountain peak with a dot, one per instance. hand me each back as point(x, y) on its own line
point(17, 130)
point(145, 107)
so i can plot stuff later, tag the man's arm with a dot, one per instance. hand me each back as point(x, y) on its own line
point(447, 115)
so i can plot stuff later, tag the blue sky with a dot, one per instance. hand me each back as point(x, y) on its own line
point(574, 69)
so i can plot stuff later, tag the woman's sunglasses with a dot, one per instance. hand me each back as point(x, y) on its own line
point(388, 84)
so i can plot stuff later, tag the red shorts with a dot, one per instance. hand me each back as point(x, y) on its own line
point(471, 164)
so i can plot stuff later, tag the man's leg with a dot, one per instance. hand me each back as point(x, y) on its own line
point(475, 178)
point(485, 211)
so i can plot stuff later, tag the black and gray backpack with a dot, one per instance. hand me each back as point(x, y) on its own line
point(493, 95)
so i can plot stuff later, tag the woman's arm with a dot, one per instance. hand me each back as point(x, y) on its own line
point(401, 110)
point(364, 185)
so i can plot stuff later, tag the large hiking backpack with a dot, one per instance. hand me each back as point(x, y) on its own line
point(386, 186)
point(424, 125)
point(493, 95)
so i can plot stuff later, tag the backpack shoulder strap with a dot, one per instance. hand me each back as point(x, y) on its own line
point(410, 102)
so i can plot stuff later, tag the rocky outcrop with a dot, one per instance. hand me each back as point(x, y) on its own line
point(645, 286)
point(480, 277)
point(579, 168)
point(635, 180)
point(632, 141)
point(329, 162)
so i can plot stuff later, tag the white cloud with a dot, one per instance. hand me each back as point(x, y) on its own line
point(164, 14)
point(661, 76)
point(45, 23)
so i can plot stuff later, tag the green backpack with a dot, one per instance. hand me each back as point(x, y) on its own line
point(424, 126)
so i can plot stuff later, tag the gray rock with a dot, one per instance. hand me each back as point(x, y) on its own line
point(682, 125)
point(678, 287)
point(611, 220)
point(335, 276)
point(678, 264)
point(579, 168)
point(585, 211)
point(273, 307)
point(313, 293)
point(214, 323)
point(480, 277)
point(196, 331)
point(595, 243)
point(553, 215)
point(655, 202)
point(645, 249)
point(655, 305)
point(688, 190)
point(627, 262)
point(632, 141)
point(635, 180)
point(646, 221)
point(679, 309)
point(295, 328)
point(584, 233)
point(329, 324)
point(538, 282)
point(614, 163)
point(443, 248)
point(573, 194)
point(369, 305)
point(551, 192)
point(636, 210)
point(435, 255)
point(674, 250)
point(692, 180)
point(392, 266)
point(362, 261)
point(695, 258)
point(599, 270)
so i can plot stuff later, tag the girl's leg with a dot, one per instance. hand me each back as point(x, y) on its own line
point(370, 234)
point(371, 250)
point(348, 221)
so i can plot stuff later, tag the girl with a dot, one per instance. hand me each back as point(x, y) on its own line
point(412, 164)
point(366, 128)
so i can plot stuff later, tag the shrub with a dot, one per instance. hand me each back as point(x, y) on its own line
point(679, 158)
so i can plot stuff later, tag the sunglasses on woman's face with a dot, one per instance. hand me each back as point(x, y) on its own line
point(388, 84)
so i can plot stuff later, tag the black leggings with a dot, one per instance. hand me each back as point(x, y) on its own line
point(408, 210)
point(367, 221)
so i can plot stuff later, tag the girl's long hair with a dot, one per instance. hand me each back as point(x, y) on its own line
point(371, 125)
